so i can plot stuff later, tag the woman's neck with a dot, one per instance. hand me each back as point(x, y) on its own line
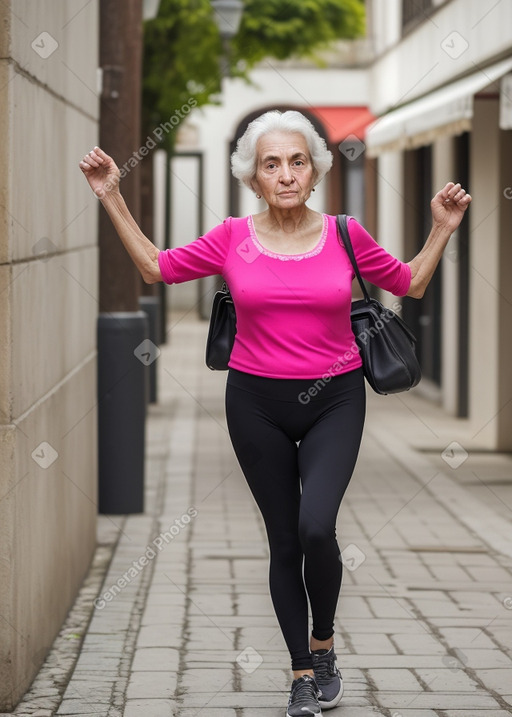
point(287, 220)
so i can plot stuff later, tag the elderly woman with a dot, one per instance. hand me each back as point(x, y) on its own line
point(291, 283)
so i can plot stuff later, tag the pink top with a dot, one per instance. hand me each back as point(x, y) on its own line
point(293, 311)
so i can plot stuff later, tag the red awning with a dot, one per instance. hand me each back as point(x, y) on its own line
point(339, 122)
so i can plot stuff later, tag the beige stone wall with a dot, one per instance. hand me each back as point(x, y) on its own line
point(48, 309)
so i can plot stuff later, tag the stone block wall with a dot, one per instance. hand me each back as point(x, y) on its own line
point(48, 308)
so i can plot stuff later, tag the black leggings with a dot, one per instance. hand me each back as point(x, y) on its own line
point(298, 488)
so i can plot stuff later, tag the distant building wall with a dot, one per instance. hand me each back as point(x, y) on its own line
point(437, 74)
point(439, 85)
point(48, 310)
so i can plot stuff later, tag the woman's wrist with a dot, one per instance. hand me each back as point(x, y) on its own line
point(439, 224)
point(440, 232)
point(110, 196)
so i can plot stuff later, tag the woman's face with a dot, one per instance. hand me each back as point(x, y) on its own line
point(284, 171)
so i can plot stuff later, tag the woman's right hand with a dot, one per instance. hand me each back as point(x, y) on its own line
point(101, 172)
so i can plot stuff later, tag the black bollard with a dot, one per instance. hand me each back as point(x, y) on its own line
point(122, 367)
point(151, 305)
point(162, 293)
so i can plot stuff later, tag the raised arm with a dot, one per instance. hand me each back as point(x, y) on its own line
point(103, 176)
point(448, 207)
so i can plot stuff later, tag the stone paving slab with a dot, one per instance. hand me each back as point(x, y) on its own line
point(394, 679)
point(159, 635)
point(82, 706)
point(152, 685)
point(150, 708)
point(155, 659)
point(437, 700)
point(473, 713)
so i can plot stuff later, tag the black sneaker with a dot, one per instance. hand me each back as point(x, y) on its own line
point(304, 698)
point(328, 678)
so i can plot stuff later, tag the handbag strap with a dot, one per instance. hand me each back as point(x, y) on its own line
point(342, 223)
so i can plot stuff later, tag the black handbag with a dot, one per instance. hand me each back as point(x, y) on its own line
point(385, 342)
point(222, 330)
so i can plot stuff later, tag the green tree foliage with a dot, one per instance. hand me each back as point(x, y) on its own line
point(295, 28)
point(182, 48)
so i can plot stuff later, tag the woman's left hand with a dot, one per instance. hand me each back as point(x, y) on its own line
point(449, 205)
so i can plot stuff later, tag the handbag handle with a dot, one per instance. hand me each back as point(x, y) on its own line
point(342, 223)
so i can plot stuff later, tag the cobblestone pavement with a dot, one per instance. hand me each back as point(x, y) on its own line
point(184, 625)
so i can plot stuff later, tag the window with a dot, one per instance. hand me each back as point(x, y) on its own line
point(414, 12)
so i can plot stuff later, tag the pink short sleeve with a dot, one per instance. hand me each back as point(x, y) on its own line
point(204, 256)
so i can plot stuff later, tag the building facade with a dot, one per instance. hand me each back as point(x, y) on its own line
point(436, 77)
point(440, 87)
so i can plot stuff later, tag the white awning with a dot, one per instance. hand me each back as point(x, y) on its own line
point(447, 111)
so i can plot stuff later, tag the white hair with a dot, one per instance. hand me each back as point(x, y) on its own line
point(244, 159)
